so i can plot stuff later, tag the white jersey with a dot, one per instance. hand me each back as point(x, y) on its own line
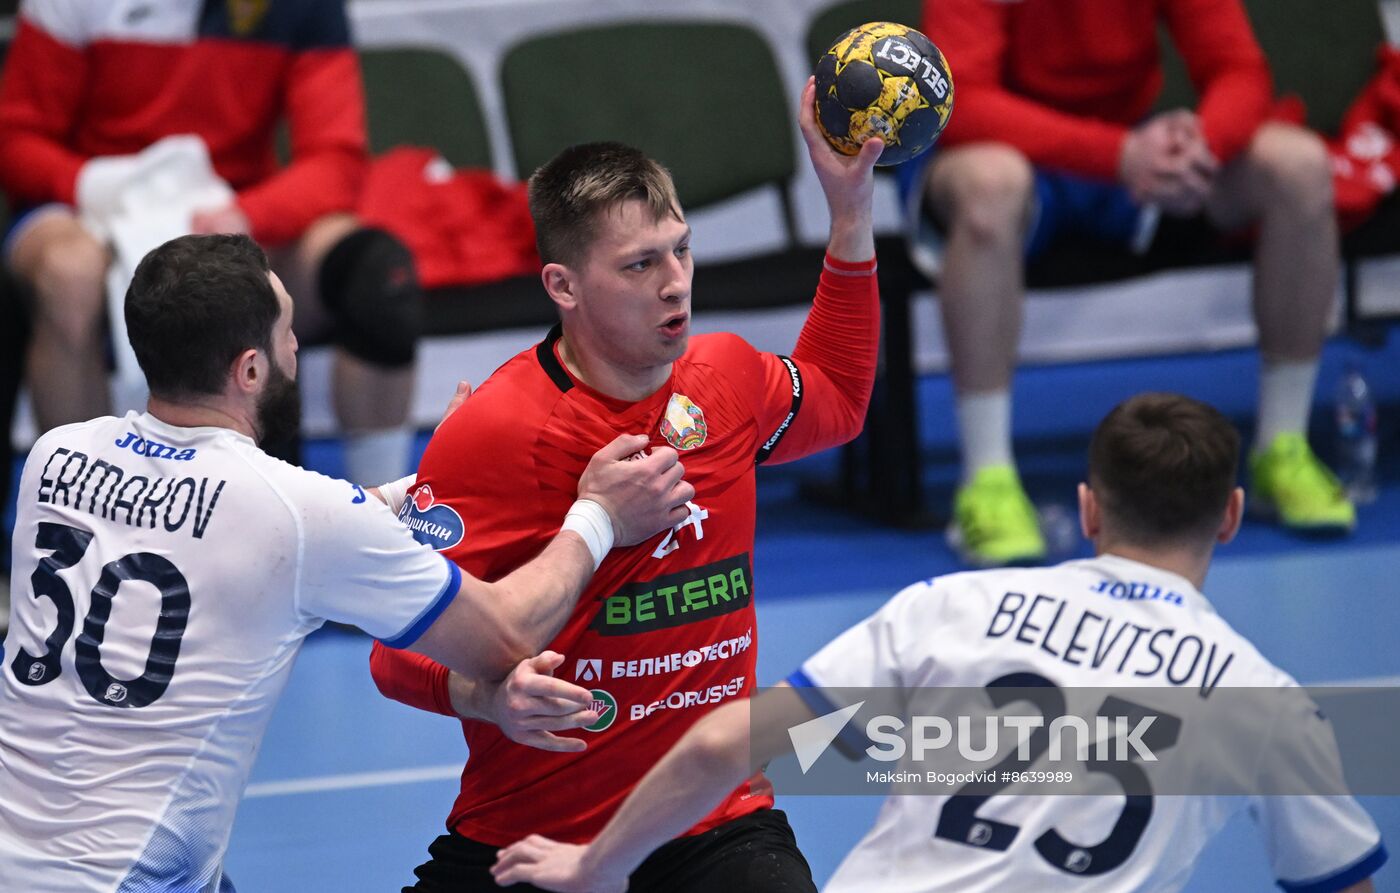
point(1097, 623)
point(164, 579)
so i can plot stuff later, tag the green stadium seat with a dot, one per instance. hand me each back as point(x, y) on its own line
point(424, 97)
point(688, 93)
point(420, 96)
point(836, 20)
point(1324, 53)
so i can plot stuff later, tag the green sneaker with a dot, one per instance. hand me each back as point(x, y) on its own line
point(1288, 482)
point(994, 522)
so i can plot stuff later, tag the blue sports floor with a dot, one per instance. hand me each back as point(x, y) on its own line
point(350, 788)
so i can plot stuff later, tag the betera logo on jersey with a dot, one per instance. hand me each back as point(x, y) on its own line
point(432, 523)
point(683, 425)
point(691, 595)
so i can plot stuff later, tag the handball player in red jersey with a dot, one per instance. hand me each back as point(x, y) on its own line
point(666, 631)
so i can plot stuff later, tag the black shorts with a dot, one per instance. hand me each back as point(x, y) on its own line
point(756, 853)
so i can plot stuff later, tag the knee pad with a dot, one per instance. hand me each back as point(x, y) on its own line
point(370, 288)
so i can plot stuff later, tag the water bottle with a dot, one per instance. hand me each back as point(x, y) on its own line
point(1356, 437)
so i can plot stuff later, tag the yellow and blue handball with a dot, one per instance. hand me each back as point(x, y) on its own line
point(887, 80)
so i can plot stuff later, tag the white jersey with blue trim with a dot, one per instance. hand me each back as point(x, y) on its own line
point(164, 579)
point(1106, 622)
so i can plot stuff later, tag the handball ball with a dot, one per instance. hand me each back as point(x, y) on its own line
point(887, 80)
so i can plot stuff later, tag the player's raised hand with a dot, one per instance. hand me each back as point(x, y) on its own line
point(531, 704)
point(643, 494)
point(847, 180)
point(552, 865)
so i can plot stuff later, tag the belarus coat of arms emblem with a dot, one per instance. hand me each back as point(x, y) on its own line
point(683, 425)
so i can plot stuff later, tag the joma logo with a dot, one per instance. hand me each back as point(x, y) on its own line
point(142, 447)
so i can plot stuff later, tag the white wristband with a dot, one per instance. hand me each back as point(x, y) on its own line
point(591, 521)
point(395, 492)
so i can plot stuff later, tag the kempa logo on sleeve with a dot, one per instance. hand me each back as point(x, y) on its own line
point(691, 595)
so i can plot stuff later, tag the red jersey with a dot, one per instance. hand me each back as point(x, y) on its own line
point(666, 629)
point(1064, 80)
point(86, 78)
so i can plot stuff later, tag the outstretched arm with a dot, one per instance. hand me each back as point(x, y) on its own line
point(838, 349)
point(490, 627)
point(493, 626)
point(848, 182)
point(718, 753)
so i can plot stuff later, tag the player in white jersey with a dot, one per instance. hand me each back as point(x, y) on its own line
point(166, 572)
point(1160, 496)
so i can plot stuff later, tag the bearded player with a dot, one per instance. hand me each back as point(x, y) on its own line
point(167, 572)
point(666, 631)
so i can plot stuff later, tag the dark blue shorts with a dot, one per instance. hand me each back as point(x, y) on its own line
point(1064, 205)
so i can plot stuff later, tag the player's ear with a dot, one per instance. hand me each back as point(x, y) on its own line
point(1234, 514)
point(561, 284)
point(247, 370)
point(1089, 522)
